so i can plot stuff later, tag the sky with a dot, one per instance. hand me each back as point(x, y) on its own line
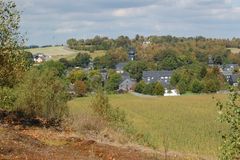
point(54, 21)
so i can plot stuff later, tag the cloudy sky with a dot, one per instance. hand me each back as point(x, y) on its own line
point(54, 21)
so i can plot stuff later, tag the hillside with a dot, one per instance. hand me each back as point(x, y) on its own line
point(62, 52)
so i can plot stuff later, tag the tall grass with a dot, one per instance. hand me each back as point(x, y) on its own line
point(188, 123)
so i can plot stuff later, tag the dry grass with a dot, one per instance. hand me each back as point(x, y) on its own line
point(189, 123)
point(63, 52)
point(235, 50)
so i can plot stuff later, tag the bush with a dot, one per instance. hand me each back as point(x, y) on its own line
point(230, 116)
point(211, 86)
point(140, 87)
point(102, 107)
point(197, 86)
point(158, 89)
point(182, 87)
point(148, 89)
point(80, 88)
point(42, 94)
point(7, 98)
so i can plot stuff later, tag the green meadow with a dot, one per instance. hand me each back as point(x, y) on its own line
point(187, 124)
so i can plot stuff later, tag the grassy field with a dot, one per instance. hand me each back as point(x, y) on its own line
point(62, 52)
point(235, 50)
point(187, 124)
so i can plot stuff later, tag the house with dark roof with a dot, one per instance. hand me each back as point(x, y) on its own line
point(233, 80)
point(127, 83)
point(163, 76)
point(227, 75)
point(229, 67)
point(120, 66)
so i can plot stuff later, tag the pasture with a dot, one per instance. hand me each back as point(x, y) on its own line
point(187, 124)
point(62, 52)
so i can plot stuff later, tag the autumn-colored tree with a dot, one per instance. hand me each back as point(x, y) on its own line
point(80, 88)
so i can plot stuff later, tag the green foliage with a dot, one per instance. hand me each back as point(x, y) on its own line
point(100, 104)
point(135, 69)
point(77, 74)
point(12, 61)
point(140, 86)
point(94, 79)
point(56, 67)
point(7, 98)
point(158, 89)
point(197, 86)
point(80, 88)
point(182, 87)
point(113, 82)
point(149, 89)
point(105, 61)
point(82, 60)
point(42, 94)
point(230, 115)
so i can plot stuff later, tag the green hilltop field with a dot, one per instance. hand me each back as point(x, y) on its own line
point(188, 124)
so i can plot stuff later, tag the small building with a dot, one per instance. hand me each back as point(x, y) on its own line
point(227, 75)
point(234, 79)
point(119, 67)
point(132, 54)
point(163, 77)
point(39, 58)
point(230, 67)
point(127, 83)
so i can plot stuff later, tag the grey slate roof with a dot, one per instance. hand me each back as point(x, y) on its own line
point(120, 66)
point(234, 78)
point(163, 76)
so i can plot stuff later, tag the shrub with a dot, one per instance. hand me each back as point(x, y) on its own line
point(182, 87)
point(140, 87)
point(158, 89)
point(7, 98)
point(148, 89)
point(113, 82)
point(80, 88)
point(211, 85)
point(42, 94)
point(230, 115)
point(197, 86)
point(100, 104)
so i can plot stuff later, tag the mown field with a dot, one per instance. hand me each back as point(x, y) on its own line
point(62, 52)
point(235, 50)
point(187, 124)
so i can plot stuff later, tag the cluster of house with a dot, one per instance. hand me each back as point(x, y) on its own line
point(229, 71)
point(164, 76)
point(40, 58)
point(128, 83)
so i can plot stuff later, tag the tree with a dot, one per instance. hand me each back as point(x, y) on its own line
point(149, 88)
point(140, 86)
point(230, 116)
point(113, 82)
point(94, 79)
point(135, 69)
point(82, 60)
point(158, 89)
point(77, 74)
point(42, 93)
point(12, 62)
point(56, 67)
point(182, 87)
point(80, 88)
point(196, 86)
